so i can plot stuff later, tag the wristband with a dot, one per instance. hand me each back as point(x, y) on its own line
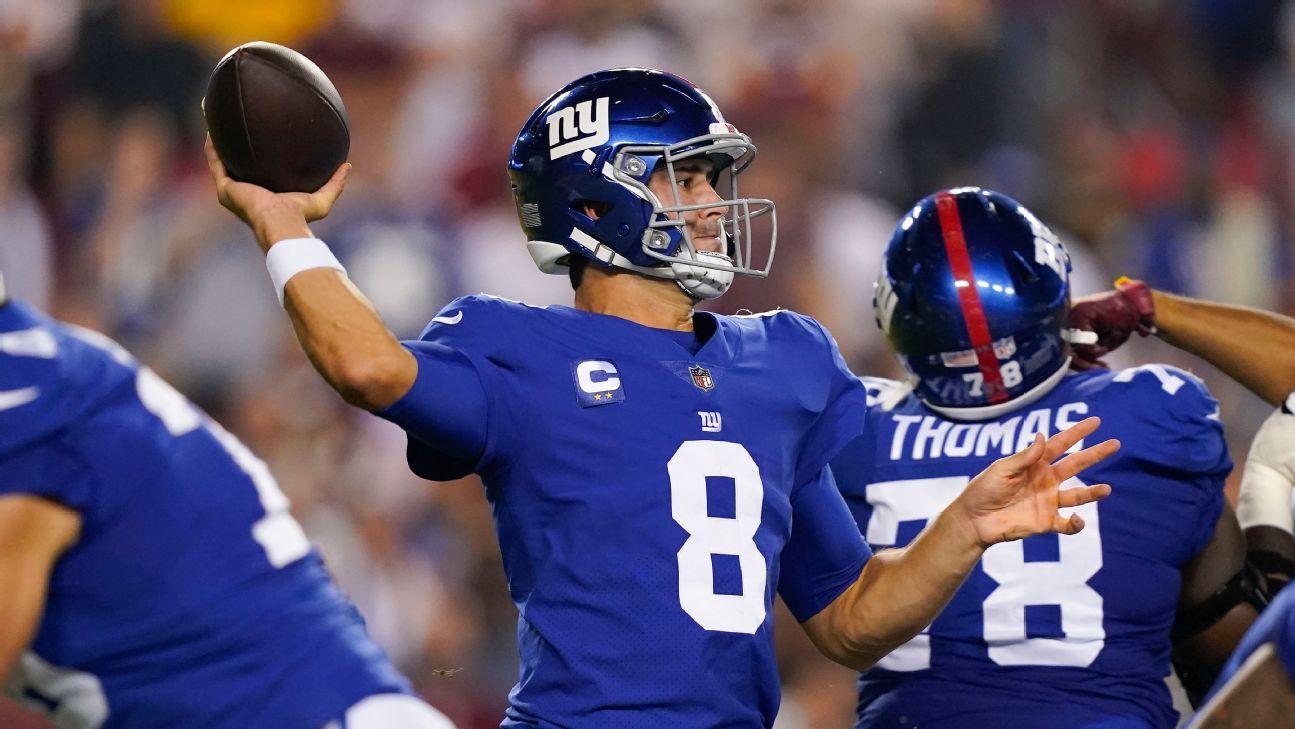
point(287, 258)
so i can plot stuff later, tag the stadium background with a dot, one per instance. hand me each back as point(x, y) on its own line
point(1155, 134)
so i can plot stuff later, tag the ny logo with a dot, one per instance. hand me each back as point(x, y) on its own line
point(884, 300)
point(1048, 249)
point(578, 127)
point(710, 422)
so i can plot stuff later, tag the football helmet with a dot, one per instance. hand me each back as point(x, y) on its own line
point(973, 296)
point(594, 145)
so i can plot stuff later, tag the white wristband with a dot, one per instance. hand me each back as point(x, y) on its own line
point(287, 258)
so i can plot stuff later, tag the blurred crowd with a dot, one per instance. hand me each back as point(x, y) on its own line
point(1156, 135)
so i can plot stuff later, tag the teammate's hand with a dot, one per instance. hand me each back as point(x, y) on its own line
point(1019, 495)
point(274, 216)
point(1112, 316)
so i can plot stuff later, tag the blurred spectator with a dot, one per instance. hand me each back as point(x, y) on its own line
point(127, 57)
point(26, 257)
point(222, 25)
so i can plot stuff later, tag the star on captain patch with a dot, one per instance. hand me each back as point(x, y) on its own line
point(701, 378)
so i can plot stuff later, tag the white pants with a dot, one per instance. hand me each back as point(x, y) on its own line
point(391, 711)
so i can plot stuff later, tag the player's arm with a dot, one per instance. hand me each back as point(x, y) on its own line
point(900, 591)
point(1221, 597)
point(34, 532)
point(338, 328)
point(1255, 348)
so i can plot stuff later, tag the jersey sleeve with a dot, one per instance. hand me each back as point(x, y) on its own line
point(844, 406)
point(48, 470)
point(1269, 477)
point(1177, 420)
point(453, 414)
point(825, 552)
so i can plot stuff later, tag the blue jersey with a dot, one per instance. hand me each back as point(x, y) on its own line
point(192, 598)
point(1051, 631)
point(644, 492)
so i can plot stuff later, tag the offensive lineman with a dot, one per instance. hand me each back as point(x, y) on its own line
point(151, 576)
point(1050, 632)
point(646, 463)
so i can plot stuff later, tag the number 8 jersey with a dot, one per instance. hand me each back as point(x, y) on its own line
point(649, 497)
point(1051, 631)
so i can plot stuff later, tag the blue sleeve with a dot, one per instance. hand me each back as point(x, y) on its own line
point(825, 552)
point(841, 419)
point(1180, 418)
point(51, 471)
point(444, 413)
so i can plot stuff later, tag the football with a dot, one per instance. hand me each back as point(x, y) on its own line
point(275, 118)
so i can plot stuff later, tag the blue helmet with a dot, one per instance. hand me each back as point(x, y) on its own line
point(595, 143)
point(973, 296)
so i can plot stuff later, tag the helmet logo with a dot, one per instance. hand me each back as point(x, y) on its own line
point(580, 127)
point(1048, 249)
point(884, 301)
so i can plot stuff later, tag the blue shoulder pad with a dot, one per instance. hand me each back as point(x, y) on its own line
point(34, 366)
point(884, 394)
point(473, 320)
point(1179, 414)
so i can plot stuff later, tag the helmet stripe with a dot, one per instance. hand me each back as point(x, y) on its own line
point(973, 312)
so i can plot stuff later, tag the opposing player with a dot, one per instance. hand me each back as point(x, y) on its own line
point(1071, 631)
point(655, 473)
point(1257, 349)
point(151, 576)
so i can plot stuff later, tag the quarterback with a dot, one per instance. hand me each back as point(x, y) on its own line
point(656, 473)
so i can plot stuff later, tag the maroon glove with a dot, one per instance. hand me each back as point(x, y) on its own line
point(1112, 316)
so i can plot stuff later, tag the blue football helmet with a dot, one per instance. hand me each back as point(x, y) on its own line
point(973, 296)
point(595, 144)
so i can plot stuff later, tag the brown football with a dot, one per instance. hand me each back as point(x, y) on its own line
point(275, 118)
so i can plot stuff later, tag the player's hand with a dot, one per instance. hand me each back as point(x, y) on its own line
point(1112, 316)
point(274, 216)
point(1019, 495)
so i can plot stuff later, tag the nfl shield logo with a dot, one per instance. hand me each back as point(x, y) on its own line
point(701, 378)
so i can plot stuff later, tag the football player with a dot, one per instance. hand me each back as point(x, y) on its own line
point(646, 462)
point(151, 576)
point(1048, 631)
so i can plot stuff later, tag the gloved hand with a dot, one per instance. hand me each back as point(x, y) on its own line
point(1111, 316)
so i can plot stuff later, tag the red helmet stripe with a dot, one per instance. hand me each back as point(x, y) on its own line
point(973, 313)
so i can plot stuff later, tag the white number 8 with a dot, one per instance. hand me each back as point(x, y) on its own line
point(710, 535)
point(1063, 582)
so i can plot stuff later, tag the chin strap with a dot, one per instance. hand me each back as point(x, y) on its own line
point(700, 282)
